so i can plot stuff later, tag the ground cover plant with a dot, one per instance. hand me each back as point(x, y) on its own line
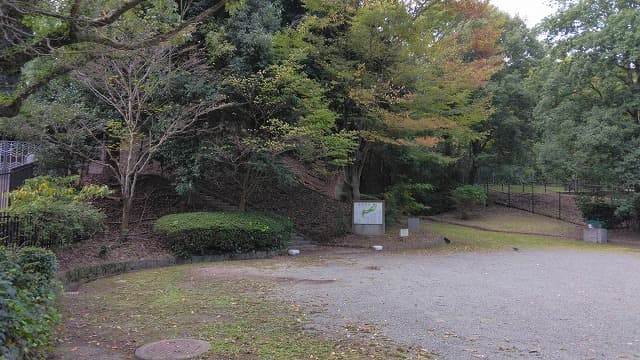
point(212, 233)
point(111, 317)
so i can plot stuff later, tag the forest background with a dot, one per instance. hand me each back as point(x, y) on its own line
point(399, 97)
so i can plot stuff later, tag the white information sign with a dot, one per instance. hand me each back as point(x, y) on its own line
point(368, 213)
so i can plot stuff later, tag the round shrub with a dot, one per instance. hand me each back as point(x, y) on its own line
point(214, 233)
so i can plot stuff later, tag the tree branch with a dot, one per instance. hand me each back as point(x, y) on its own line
point(10, 107)
point(113, 15)
point(155, 40)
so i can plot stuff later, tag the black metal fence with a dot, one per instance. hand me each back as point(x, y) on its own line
point(11, 179)
point(553, 200)
point(18, 231)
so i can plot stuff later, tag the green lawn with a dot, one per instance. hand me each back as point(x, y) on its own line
point(513, 220)
point(468, 239)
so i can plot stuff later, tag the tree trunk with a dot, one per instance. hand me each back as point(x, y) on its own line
point(242, 206)
point(355, 184)
point(476, 148)
point(126, 212)
point(128, 190)
point(244, 194)
point(473, 170)
point(353, 172)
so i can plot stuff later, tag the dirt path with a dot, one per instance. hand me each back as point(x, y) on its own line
point(559, 304)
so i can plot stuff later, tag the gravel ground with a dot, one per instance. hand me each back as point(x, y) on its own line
point(552, 304)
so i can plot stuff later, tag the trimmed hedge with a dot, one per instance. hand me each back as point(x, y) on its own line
point(28, 289)
point(213, 233)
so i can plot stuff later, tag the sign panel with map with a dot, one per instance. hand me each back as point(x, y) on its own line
point(368, 212)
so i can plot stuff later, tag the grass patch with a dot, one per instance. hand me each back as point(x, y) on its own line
point(468, 239)
point(519, 221)
point(239, 317)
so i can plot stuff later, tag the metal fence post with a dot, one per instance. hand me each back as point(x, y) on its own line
point(532, 199)
point(508, 195)
point(559, 205)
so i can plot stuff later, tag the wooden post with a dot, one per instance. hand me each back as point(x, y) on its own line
point(508, 195)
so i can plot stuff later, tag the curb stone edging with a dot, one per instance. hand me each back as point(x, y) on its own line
point(77, 276)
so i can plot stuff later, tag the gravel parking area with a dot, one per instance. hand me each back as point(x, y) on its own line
point(543, 304)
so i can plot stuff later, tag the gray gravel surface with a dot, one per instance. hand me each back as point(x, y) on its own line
point(555, 304)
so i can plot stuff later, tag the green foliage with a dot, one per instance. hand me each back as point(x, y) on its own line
point(438, 201)
point(467, 198)
point(405, 199)
point(611, 213)
point(212, 233)
point(629, 210)
point(588, 105)
point(506, 148)
point(28, 289)
point(250, 29)
point(54, 210)
point(50, 189)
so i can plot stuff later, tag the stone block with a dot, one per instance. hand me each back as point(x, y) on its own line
point(414, 225)
point(594, 235)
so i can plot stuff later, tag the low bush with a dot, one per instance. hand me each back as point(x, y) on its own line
point(438, 201)
point(628, 210)
point(611, 213)
point(214, 233)
point(54, 212)
point(403, 199)
point(28, 289)
point(467, 198)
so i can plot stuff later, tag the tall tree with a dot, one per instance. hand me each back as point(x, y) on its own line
point(142, 100)
point(504, 149)
point(589, 104)
point(284, 113)
point(398, 74)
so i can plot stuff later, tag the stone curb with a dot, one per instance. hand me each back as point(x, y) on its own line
point(74, 277)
